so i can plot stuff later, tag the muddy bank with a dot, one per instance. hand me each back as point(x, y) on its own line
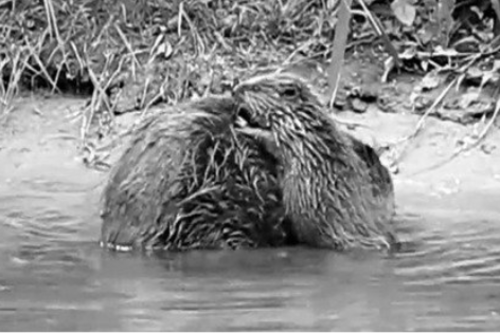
point(40, 142)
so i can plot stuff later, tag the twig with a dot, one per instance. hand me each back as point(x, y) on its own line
point(129, 47)
point(36, 56)
point(468, 147)
point(52, 21)
point(12, 84)
point(339, 44)
point(434, 105)
point(437, 101)
point(380, 32)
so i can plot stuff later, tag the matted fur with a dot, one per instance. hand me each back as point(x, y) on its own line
point(187, 180)
point(336, 192)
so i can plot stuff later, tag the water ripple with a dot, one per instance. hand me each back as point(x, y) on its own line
point(54, 276)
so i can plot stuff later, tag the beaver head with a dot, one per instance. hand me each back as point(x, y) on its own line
point(286, 113)
point(278, 101)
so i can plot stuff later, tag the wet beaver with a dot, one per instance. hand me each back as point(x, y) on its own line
point(187, 180)
point(336, 192)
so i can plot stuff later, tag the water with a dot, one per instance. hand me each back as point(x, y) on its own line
point(54, 276)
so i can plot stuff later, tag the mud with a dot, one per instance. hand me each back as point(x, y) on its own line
point(54, 276)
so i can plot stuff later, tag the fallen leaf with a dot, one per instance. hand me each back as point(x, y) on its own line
point(404, 11)
point(467, 99)
point(430, 81)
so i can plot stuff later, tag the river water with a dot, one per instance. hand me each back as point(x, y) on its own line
point(54, 275)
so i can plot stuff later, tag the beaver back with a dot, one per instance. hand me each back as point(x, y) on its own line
point(188, 180)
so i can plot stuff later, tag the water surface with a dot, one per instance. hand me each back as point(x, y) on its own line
point(54, 276)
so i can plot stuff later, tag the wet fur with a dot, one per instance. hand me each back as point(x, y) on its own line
point(187, 180)
point(336, 192)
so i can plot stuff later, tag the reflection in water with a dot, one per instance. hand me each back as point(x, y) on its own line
point(53, 275)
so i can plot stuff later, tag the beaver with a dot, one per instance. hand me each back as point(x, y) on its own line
point(336, 192)
point(188, 180)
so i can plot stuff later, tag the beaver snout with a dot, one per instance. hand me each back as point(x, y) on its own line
point(259, 133)
point(245, 117)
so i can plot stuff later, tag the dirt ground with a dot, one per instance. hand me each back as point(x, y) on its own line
point(43, 133)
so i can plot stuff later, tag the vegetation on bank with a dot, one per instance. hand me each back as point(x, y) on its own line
point(172, 50)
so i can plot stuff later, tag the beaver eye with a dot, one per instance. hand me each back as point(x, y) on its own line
point(290, 92)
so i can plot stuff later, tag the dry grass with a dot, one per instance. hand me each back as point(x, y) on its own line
point(13, 66)
point(65, 44)
point(174, 49)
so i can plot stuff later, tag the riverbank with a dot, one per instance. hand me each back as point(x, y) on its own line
point(44, 134)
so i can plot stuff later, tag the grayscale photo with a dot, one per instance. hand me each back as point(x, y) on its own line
point(249, 165)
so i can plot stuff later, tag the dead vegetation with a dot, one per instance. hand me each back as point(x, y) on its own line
point(74, 45)
point(129, 55)
point(87, 45)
